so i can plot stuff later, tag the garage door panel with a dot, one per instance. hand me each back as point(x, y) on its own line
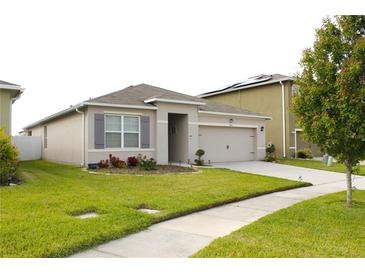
point(223, 144)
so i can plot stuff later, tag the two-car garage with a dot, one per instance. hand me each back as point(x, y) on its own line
point(228, 144)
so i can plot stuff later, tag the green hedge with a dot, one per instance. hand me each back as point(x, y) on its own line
point(8, 160)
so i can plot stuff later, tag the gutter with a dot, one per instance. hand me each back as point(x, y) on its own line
point(82, 135)
point(162, 100)
point(283, 116)
point(235, 114)
point(12, 87)
point(70, 109)
point(60, 113)
point(212, 93)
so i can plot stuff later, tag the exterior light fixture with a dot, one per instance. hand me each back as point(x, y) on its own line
point(262, 128)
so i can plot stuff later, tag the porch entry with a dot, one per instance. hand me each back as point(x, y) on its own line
point(178, 137)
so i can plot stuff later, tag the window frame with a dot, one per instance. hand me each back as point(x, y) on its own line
point(122, 131)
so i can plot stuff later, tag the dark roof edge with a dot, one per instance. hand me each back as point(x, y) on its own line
point(212, 93)
point(80, 105)
point(53, 116)
point(257, 115)
point(85, 104)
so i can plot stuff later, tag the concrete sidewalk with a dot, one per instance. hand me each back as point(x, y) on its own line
point(183, 236)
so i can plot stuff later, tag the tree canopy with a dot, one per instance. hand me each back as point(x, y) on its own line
point(330, 105)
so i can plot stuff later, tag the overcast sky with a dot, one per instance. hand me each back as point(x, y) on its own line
point(63, 52)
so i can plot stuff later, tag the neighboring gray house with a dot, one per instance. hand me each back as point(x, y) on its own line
point(155, 122)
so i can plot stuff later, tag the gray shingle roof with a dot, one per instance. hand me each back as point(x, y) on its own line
point(258, 80)
point(136, 95)
point(7, 83)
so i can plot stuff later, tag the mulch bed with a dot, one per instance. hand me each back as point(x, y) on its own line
point(161, 169)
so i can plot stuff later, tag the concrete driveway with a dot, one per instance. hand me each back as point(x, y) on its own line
point(183, 236)
point(313, 176)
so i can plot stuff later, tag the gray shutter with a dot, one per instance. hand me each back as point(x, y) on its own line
point(145, 131)
point(99, 130)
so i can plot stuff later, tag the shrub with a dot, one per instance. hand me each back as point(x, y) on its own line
point(269, 158)
point(132, 161)
point(116, 162)
point(200, 153)
point(304, 153)
point(270, 148)
point(270, 153)
point(8, 160)
point(103, 164)
point(146, 164)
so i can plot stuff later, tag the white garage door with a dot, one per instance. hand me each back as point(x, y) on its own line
point(226, 144)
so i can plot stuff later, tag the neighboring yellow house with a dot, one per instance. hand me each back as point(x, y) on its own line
point(9, 93)
point(272, 95)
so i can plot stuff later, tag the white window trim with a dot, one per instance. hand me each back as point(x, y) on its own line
point(122, 131)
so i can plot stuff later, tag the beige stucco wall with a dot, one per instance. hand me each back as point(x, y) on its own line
point(64, 142)
point(256, 124)
point(265, 100)
point(178, 138)
point(65, 134)
point(5, 110)
point(95, 155)
point(162, 129)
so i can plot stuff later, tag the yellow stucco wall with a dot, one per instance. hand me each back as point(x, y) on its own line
point(302, 143)
point(265, 100)
point(5, 110)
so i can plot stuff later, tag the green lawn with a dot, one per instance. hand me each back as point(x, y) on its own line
point(360, 170)
point(321, 227)
point(36, 217)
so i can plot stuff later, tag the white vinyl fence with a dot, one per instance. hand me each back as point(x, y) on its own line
point(30, 147)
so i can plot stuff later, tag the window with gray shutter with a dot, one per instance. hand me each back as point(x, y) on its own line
point(99, 130)
point(145, 131)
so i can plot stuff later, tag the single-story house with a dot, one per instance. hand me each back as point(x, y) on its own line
point(159, 123)
point(9, 93)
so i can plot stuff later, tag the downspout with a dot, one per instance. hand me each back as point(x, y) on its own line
point(82, 135)
point(10, 116)
point(295, 143)
point(12, 100)
point(283, 110)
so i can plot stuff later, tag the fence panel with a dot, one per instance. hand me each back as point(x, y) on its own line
point(30, 147)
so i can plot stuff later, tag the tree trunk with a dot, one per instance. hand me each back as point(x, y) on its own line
point(349, 183)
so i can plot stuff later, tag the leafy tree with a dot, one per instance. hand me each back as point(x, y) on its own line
point(330, 105)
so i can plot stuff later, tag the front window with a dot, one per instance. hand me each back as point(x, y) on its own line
point(113, 131)
point(122, 131)
point(131, 131)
